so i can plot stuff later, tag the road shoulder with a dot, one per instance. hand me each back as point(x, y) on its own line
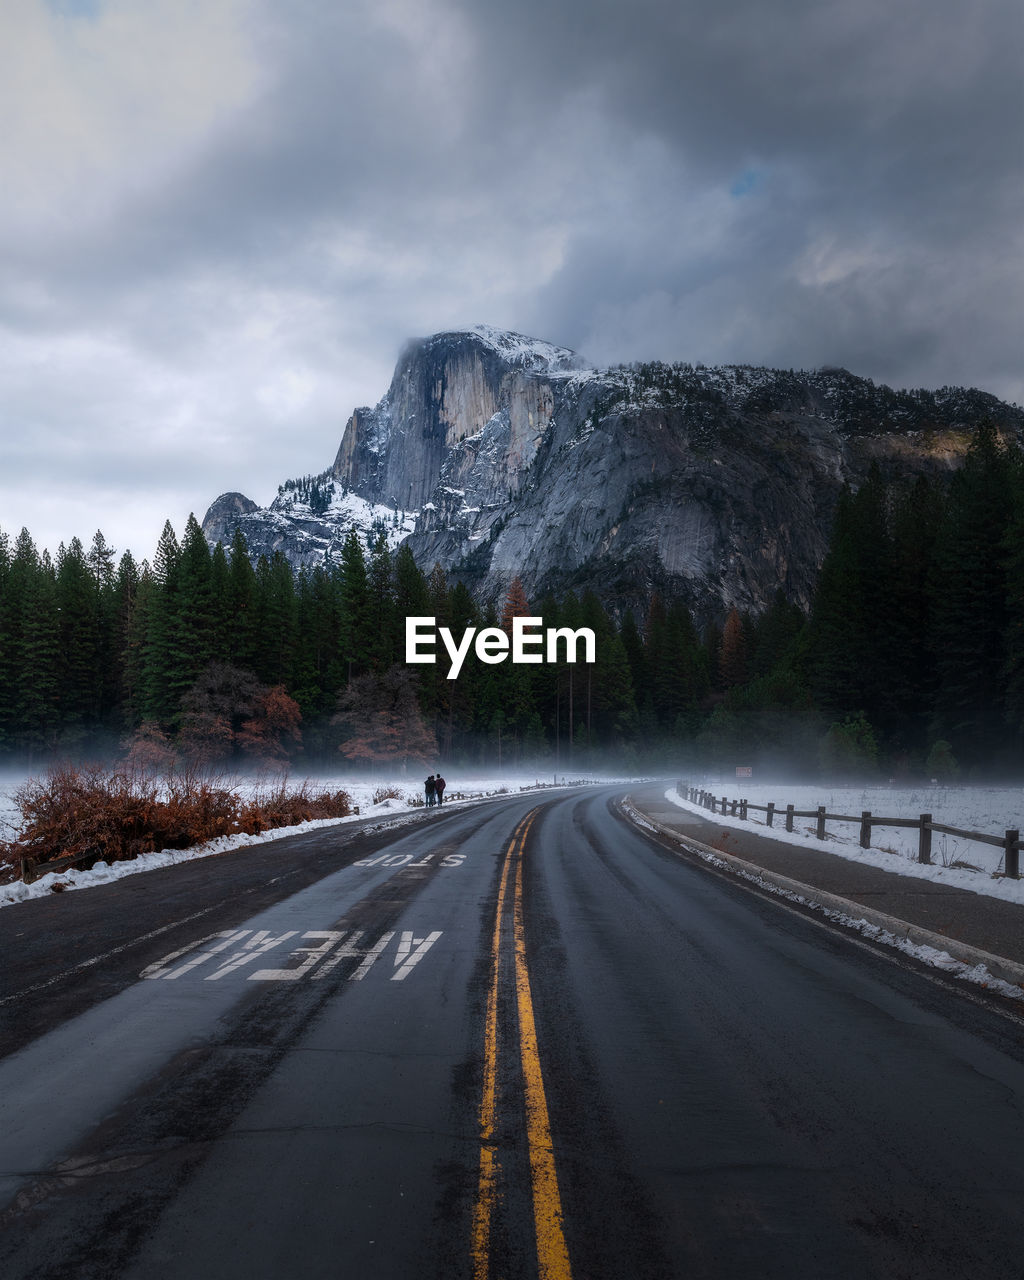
point(979, 934)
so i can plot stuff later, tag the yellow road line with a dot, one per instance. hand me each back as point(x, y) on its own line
point(552, 1254)
point(487, 1186)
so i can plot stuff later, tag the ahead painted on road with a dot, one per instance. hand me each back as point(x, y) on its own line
point(233, 950)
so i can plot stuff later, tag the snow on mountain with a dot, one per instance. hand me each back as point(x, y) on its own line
point(499, 455)
point(519, 351)
point(308, 520)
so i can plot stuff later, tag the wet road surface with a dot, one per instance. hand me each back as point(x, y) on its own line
point(516, 1040)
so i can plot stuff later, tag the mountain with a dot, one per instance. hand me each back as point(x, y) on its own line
point(495, 454)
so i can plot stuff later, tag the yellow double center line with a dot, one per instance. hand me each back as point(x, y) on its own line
point(552, 1254)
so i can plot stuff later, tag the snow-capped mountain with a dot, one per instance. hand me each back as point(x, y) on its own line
point(495, 454)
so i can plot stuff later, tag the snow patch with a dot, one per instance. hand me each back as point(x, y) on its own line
point(397, 810)
point(533, 354)
point(895, 849)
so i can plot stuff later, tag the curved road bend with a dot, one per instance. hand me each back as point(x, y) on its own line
point(518, 1040)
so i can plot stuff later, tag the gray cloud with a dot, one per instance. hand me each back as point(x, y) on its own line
point(229, 216)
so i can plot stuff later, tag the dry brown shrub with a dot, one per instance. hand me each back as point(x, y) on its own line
point(195, 811)
point(386, 793)
point(284, 806)
point(97, 814)
point(86, 811)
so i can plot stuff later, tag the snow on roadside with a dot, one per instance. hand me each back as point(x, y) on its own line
point(106, 873)
point(394, 810)
point(899, 851)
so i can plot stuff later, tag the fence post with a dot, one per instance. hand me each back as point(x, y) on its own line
point(732, 809)
point(769, 817)
point(865, 829)
point(789, 817)
point(924, 843)
point(1012, 861)
point(712, 803)
point(820, 833)
point(743, 810)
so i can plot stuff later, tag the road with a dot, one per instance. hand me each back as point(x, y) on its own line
point(515, 1040)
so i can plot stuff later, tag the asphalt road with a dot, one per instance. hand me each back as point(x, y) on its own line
point(516, 1040)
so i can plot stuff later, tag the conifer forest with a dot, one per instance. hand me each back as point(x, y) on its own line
point(910, 662)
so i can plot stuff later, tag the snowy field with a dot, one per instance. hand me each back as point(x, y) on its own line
point(956, 861)
point(393, 810)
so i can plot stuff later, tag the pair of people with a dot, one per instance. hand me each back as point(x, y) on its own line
point(433, 790)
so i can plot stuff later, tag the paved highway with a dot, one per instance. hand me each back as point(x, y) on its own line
point(515, 1040)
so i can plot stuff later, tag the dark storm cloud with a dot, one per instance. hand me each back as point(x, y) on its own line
point(230, 215)
point(875, 150)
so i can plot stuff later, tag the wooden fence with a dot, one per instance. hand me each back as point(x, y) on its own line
point(1010, 842)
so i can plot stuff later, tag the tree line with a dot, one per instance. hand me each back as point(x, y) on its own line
point(910, 661)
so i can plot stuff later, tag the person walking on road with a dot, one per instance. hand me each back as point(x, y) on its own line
point(439, 786)
point(428, 791)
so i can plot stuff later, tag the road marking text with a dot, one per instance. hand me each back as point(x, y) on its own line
point(231, 950)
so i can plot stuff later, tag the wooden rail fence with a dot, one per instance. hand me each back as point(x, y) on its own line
point(1010, 842)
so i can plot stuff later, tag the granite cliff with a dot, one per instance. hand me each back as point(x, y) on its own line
point(495, 455)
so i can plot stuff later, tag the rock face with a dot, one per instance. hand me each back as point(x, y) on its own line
point(496, 455)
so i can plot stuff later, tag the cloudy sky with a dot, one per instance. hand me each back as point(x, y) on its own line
point(221, 219)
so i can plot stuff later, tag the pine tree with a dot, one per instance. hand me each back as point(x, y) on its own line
point(356, 633)
point(675, 665)
point(130, 626)
point(276, 614)
point(1013, 666)
point(242, 621)
point(775, 636)
point(35, 647)
point(381, 606)
point(732, 652)
point(412, 598)
point(515, 605)
point(6, 644)
point(101, 559)
point(916, 514)
point(633, 645)
point(158, 689)
point(192, 614)
point(80, 670)
point(220, 608)
point(611, 703)
point(970, 618)
point(851, 649)
point(462, 695)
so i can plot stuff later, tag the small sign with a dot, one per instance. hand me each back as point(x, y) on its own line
point(744, 771)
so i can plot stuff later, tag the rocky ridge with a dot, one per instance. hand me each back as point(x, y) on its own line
point(494, 455)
